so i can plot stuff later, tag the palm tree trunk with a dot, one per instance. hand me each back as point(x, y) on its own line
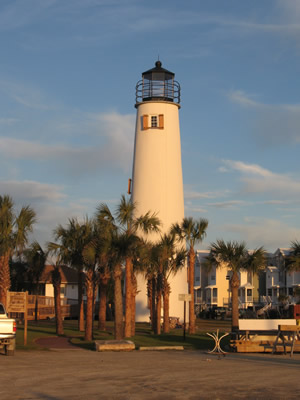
point(153, 321)
point(56, 281)
point(80, 301)
point(235, 284)
point(128, 296)
point(119, 328)
point(158, 301)
point(150, 299)
point(4, 277)
point(89, 306)
point(192, 319)
point(166, 297)
point(102, 303)
point(134, 293)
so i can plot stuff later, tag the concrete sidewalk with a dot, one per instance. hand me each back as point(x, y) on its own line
point(67, 374)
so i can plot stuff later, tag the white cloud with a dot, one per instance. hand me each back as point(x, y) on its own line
point(111, 149)
point(193, 195)
point(257, 179)
point(274, 123)
point(270, 233)
point(8, 121)
point(31, 191)
point(229, 204)
point(25, 95)
point(194, 209)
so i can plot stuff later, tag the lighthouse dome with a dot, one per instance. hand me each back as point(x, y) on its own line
point(158, 84)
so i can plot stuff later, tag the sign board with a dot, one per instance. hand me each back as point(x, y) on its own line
point(185, 297)
point(16, 302)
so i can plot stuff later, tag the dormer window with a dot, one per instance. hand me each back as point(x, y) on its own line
point(155, 121)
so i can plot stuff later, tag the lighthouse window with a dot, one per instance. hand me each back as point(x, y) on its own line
point(154, 122)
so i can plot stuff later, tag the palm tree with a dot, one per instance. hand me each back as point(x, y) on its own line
point(90, 267)
point(120, 242)
point(104, 228)
point(236, 257)
point(192, 232)
point(72, 240)
point(131, 226)
point(14, 230)
point(293, 261)
point(167, 259)
point(56, 281)
point(35, 258)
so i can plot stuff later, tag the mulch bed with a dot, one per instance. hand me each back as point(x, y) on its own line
point(56, 342)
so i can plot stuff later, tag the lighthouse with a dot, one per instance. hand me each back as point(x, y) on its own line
point(156, 184)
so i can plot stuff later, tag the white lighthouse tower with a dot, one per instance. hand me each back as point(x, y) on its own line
point(157, 173)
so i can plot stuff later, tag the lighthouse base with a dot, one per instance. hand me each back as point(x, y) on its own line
point(178, 285)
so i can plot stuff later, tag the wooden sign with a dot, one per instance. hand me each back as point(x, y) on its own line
point(17, 303)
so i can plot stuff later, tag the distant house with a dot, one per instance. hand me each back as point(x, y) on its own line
point(69, 282)
point(279, 282)
point(212, 287)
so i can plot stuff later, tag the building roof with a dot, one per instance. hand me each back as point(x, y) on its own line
point(68, 274)
point(283, 251)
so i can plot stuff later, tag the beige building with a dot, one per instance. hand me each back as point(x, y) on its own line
point(212, 287)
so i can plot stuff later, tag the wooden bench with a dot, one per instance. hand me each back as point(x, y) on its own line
point(258, 336)
point(286, 337)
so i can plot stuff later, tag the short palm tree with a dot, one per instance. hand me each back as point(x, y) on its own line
point(71, 242)
point(14, 230)
point(165, 260)
point(236, 257)
point(192, 232)
point(293, 261)
point(35, 258)
point(53, 249)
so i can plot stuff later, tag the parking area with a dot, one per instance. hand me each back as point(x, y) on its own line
point(67, 374)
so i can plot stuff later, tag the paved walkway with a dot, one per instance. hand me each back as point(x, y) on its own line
point(62, 374)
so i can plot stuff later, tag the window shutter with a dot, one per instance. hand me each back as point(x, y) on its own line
point(145, 122)
point(161, 121)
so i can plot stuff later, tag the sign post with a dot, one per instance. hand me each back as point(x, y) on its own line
point(184, 297)
point(17, 302)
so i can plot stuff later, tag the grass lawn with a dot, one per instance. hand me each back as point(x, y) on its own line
point(143, 337)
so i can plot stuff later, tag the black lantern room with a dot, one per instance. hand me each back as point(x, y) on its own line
point(158, 84)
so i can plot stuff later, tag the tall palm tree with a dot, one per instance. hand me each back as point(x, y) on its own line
point(131, 226)
point(56, 281)
point(104, 228)
point(72, 240)
point(193, 232)
point(14, 230)
point(236, 257)
point(120, 242)
point(90, 257)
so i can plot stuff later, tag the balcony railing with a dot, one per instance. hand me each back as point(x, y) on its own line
point(158, 90)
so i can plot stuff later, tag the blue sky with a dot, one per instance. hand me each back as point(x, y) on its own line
point(68, 70)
